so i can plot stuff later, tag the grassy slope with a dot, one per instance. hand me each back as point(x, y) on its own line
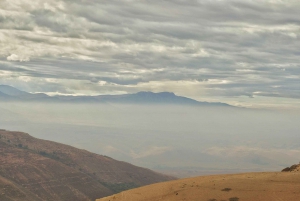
point(275, 186)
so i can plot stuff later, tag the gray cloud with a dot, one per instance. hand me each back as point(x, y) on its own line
point(227, 48)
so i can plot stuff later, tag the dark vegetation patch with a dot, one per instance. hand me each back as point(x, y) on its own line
point(226, 189)
point(230, 199)
point(52, 155)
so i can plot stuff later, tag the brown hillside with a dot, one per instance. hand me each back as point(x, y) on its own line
point(281, 186)
point(33, 170)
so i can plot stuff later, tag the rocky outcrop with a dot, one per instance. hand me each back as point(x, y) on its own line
point(293, 168)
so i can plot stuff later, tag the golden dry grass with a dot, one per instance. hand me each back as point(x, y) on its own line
point(268, 186)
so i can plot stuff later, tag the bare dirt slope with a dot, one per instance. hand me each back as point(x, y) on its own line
point(275, 186)
point(34, 170)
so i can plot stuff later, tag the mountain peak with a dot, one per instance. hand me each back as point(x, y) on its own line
point(11, 91)
point(158, 93)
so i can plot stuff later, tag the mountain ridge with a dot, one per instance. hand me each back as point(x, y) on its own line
point(37, 170)
point(8, 93)
point(11, 91)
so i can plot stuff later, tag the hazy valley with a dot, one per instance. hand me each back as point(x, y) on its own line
point(178, 139)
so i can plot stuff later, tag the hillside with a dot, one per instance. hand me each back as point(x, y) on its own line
point(276, 186)
point(35, 170)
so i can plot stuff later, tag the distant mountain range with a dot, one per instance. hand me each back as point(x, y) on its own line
point(8, 93)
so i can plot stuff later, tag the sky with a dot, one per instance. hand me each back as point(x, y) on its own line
point(241, 52)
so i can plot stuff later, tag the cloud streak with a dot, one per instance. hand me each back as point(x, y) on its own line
point(226, 48)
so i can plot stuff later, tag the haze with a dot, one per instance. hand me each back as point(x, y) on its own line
point(242, 53)
point(179, 140)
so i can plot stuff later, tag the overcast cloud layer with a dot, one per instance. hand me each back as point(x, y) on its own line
point(210, 50)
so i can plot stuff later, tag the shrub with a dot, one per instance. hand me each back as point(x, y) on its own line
point(226, 189)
